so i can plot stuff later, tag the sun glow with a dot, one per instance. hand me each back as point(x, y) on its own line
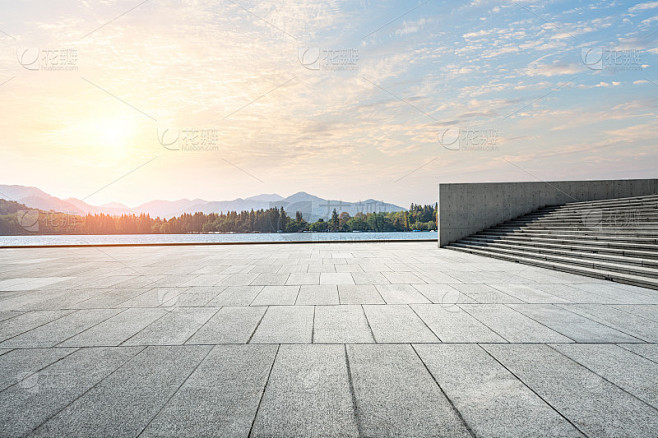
point(115, 134)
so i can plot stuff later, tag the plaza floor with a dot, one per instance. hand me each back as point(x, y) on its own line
point(303, 340)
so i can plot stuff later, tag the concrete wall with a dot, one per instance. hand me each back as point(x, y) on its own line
point(465, 209)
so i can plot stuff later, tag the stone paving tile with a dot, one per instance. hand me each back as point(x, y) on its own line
point(230, 325)
point(369, 278)
point(402, 277)
point(452, 324)
point(648, 351)
point(528, 293)
point(336, 278)
point(277, 296)
point(492, 401)
point(270, 279)
point(572, 325)
point(359, 294)
point(286, 325)
point(648, 311)
point(238, 279)
point(613, 363)
point(20, 364)
point(28, 321)
point(221, 397)
point(595, 406)
point(628, 323)
point(173, 328)
point(125, 402)
point(301, 278)
point(400, 294)
point(443, 294)
point(341, 324)
point(24, 407)
point(397, 324)
point(512, 325)
point(236, 296)
point(308, 394)
point(59, 330)
point(485, 294)
point(317, 294)
point(396, 395)
point(117, 329)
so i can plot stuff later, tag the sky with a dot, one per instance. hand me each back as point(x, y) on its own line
point(132, 100)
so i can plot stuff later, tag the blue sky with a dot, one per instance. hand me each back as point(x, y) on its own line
point(346, 100)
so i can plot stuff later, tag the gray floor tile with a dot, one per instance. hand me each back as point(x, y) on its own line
point(359, 294)
point(174, 328)
point(397, 323)
point(492, 401)
point(572, 325)
point(20, 364)
point(512, 325)
point(308, 394)
point(613, 363)
point(595, 406)
point(117, 329)
point(285, 324)
point(236, 296)
point(61, 329)
point(25, 406)
point(230, 325)
point(221, 397)
point(341, 324)
point(124, 403)
point(317, 295)
point(400, 294)
point(452, 324)
point(277, 296)
point(396, 395)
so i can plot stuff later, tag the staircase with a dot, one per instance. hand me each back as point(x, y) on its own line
point(614, 239)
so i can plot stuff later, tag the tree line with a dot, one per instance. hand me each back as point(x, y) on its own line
point(17, 219)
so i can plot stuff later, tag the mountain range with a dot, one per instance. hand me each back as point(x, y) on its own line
point(311, 207)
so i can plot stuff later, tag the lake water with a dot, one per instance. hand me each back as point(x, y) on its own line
point(209, 238)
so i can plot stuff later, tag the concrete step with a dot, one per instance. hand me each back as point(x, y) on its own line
point(592, 249)
point(574, 269)
point(589, 263)
point(640, 232)
point(588, 255)
point(620, 245)
point(574, 236)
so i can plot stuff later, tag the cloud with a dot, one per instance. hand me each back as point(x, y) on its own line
point(643, 6)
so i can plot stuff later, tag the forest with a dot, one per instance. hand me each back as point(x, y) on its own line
point(17, 219)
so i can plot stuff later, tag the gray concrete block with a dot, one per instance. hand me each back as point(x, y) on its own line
point(174, 328)
point(317, 295)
